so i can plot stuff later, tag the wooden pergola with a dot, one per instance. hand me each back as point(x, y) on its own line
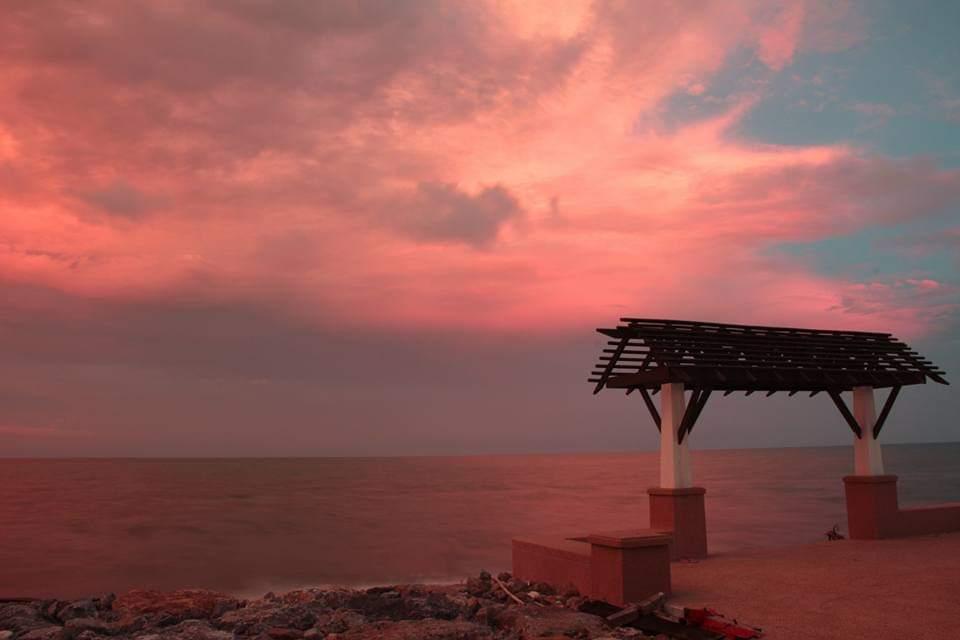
point(645, 354)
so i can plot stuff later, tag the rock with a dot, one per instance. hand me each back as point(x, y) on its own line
point(194, 630)
point(478, 586)
point(504, 576)
point(531, 622)
point(418, 630)
point(489, 614)
point(19, 618)
point(431, 605)
point(52, 632)
point(569, 591)
point(174, 606)
point(479, 610)
point(6, 634)
point(75, 626)
point(343, 620)
point(260, 616)
point(66, 611)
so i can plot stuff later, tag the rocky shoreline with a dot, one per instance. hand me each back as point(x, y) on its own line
point(484, 608)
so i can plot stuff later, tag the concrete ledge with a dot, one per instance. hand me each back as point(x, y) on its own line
point(615, 566)
point(554, 560)
point(942, 518)
point(873, 511)
point(628, 539)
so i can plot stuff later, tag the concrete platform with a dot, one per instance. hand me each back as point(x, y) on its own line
point(849, 589)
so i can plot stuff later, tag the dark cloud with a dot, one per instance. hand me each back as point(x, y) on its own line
point(445, 213)
point(121, 200)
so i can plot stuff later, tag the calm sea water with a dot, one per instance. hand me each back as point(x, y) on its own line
point(77, 527)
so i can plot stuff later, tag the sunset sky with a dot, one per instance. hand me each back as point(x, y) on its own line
point(383, 228)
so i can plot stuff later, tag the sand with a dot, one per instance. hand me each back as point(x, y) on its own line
point(849, 589)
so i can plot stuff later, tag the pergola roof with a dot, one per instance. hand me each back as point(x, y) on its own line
point(645, 353)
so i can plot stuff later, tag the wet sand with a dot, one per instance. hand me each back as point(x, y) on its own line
point(847, 590)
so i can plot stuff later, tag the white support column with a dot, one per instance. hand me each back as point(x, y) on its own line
point(867, 460)
point(675, 471)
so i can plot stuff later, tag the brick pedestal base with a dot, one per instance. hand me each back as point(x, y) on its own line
point(872, 510)
point(628, 566)
point(680, 512)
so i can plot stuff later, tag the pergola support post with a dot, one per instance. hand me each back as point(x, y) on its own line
point(676, 506)
point(871, 496)
point(675, 472)
point(867, 457)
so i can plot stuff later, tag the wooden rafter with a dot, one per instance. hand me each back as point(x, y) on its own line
point(692, 411)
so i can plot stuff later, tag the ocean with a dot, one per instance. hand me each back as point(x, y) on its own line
point(70, 528)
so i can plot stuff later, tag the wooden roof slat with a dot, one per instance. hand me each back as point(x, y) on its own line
point(749, 327)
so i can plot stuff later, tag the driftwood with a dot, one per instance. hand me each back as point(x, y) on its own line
point(505, 590)
point(633, 611)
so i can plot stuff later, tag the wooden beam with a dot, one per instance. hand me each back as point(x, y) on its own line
point(692, 412)
point(845, 412)
point(688, 411)
point(652, 408)
point(887, 406)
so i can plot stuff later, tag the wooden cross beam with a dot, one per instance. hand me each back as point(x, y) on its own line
point(697, 401)
point(845, 412)
point(891, 398)
point(652, 408)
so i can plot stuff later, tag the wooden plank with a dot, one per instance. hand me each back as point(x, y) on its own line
point(747, 339)
point(609, 368)
point(728, 325)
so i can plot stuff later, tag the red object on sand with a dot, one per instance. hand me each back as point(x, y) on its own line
point(710, 620)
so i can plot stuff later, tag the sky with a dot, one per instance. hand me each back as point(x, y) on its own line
point(390, 228)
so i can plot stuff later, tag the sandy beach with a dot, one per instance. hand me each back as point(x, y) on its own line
point(849, 589)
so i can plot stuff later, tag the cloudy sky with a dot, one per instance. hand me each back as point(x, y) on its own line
point(379, 227)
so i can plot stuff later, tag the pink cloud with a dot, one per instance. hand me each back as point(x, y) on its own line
point(343, 164)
